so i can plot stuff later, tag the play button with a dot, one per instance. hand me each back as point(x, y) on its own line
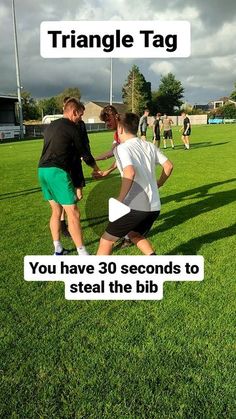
point(117, 209)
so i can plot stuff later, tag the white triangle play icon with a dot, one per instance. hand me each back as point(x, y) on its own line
point(117, 209)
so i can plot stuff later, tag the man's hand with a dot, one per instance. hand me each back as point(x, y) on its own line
point(96, 173)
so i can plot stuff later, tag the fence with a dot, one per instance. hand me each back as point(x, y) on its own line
point(178, 120)
point(36, 131)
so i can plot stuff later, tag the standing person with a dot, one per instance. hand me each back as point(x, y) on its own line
point(167, 131)
point(157, 130)
point(186, 128)
point(61, 140)
point(76, 171)
point(136, 161)
point(143, 124)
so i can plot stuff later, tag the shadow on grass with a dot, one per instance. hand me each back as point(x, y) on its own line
point(209, 202)
point(192, 246)
point(206, 144)
point(196, 145)
point(10, 195)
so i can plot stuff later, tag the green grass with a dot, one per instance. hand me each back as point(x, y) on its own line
point(173, 358)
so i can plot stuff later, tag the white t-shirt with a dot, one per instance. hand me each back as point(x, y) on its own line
point(144, 156)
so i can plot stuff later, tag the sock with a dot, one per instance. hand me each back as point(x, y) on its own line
point(58, 246)
point(152, 254)
point(82, 251)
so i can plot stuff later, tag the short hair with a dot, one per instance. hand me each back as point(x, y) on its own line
point(107, 111)
point(65, 99)
point(146, 110)
point(73, 103)
point(129, 121)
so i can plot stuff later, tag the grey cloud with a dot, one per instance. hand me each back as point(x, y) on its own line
point(201, 74)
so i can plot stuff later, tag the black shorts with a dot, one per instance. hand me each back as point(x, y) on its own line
point(188, 132)
point(137, 221)
point(168, 134)
point(158, 137)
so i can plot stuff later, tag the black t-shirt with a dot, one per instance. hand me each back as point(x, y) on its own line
point(157, 126)
point(63, 140)
point(186, 122)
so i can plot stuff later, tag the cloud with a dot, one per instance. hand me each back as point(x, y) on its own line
point(208, 73)
point(164, 67)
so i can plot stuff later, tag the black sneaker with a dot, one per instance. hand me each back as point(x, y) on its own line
point(63, 252)
point(64, 229)
point(126, 243)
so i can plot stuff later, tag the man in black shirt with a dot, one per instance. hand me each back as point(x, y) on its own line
point(186, 128)
point(62, 140)
point(157, 130)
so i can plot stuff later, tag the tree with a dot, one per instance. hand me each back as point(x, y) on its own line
point(229, 111)
point(233, 94)
point(168, 96)
point(49, 106)
point(29, 106)
point(136, 91)
point(68, 92)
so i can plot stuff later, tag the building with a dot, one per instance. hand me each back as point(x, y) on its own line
point(215, 104)
point(93, 110)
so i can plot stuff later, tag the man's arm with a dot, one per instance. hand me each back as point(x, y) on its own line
point(104, 173)
point(127, 181)
point(83, 151)
point(167, 168)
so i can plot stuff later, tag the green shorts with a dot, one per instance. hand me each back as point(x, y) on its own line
point(57, 185)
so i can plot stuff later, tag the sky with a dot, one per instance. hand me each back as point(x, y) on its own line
point(208, 74)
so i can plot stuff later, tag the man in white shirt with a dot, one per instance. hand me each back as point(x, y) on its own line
point(136, 161)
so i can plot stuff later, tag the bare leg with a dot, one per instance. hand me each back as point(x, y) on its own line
point(74, 226)
point(143, 244)
point(106, 244)
point(55, 220)
point(164, 142)
point(172, 143)
point(183, 139)
point(187, 142)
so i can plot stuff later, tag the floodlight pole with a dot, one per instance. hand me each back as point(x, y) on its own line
point(111, 82)
point(17, 71)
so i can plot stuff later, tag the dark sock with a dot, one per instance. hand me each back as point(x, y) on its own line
point(152, 254)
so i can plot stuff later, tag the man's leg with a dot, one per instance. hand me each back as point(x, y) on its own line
point(74, 227)
point(187, 142)
point(106, 244)
point(64, 228)
point(143, 244)
point(183, 139)
point(55, 220)
point(55, 225)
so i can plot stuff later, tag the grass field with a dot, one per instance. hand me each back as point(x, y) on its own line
point(173, 358)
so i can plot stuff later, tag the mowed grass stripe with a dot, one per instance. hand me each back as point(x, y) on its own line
point(168, 359)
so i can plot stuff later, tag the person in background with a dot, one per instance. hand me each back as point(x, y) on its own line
point(167, 131)
point(157, 130)
point(143, 124)
point(186, 128)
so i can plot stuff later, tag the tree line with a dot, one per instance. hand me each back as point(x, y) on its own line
point(136, 94)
